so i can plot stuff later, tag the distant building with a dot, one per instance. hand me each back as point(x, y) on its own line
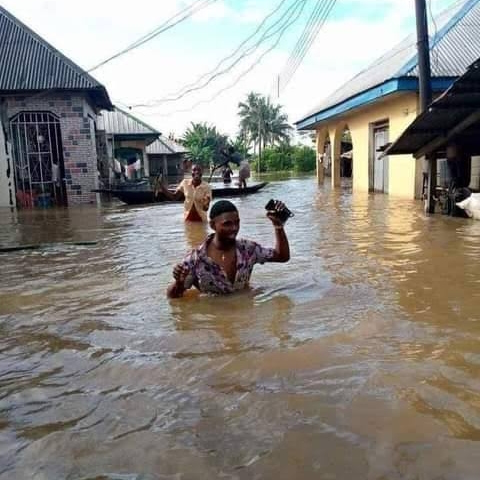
point(167, 158)
point(122, 142)
point(48, 111)
point(378, 104)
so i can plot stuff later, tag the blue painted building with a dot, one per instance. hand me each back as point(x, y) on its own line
point(379, 103)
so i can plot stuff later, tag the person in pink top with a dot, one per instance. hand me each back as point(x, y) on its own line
point(223, 264)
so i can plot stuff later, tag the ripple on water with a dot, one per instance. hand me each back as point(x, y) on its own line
point(360, 355)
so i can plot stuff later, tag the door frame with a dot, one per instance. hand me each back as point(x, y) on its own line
point(36, 144)
point(373, 127)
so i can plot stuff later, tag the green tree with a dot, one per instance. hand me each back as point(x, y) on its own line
point(240, 146)
point(205, 144)
point(262, 123)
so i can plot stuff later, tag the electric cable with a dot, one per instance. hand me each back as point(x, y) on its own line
point(184, 14)
point(288, 14)
point(234, 53)
point(239, 77)
point(319, 22)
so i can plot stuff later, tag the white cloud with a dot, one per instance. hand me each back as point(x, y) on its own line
point(91, 30)
point(215, 11)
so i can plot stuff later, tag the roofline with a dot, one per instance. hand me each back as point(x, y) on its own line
point(132, 136)
point(136, 119)
point(104, 103)
point(367, 97)
point(390, 150)
point(171, 149)
point(440, 34)
point(96, 84)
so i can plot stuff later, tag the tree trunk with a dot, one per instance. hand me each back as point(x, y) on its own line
point(259, 153)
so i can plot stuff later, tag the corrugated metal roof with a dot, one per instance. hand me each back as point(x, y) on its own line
point(439, 124)
point(165, 146)
point(118, 122)
point(454, 47)
point(29, 63)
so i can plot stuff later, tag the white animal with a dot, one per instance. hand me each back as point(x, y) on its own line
point(471, 205)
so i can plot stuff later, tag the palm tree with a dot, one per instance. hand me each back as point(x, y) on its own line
point(249, 119)
point(262, 123)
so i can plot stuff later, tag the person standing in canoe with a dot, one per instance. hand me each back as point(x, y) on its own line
point(196, 193)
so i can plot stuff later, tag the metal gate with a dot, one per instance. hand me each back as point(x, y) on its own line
point(38, 160)
point(380, 164)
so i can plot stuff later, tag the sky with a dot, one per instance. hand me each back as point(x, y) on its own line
point(355, 34)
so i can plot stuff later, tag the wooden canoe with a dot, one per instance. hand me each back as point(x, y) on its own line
point(139, 197)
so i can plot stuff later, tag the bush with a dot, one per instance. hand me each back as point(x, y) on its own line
point(304, 159)
point(285, 158)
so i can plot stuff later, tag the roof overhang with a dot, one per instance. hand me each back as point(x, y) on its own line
point(101, 99)
point(370, 96)
point(454, 117)
point(148, 138)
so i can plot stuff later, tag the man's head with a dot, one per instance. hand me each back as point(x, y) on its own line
point(197, 173)
point(225, 221)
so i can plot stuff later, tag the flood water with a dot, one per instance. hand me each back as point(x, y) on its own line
point(359, 359)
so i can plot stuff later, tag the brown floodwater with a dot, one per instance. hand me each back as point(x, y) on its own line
point(359, 359)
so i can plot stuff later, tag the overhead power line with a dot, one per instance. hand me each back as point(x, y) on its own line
point(217, 72)
point(303, 36)
point(317, 19)
point(294, 16)
point(234, 53)
point(179, 17)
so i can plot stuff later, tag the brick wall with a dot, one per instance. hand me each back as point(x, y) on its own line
point(78, 139)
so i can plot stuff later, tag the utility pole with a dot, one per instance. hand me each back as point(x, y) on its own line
point(425, 91)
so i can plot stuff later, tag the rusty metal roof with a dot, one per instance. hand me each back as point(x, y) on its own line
point(29, 63)
point(454, 45)
point(165, 146)
point(123, 124)
point(454, 116)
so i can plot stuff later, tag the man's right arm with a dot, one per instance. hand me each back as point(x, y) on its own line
point(177, 195)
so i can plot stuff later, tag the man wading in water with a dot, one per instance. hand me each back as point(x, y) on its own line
point(197, 195)
point(223, 264)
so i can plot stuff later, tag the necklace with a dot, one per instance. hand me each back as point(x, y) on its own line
point(223, 257)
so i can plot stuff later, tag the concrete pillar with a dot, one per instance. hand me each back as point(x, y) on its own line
point(336, 145)
point(165, 169)
point(146, 163)
point(320, 149)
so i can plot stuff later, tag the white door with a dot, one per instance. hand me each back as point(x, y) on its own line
point(380, 165)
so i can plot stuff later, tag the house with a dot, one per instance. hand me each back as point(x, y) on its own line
point(122, 142)
point(448, 132)
point(167, 158)
point(379, 103)
point(48, 111)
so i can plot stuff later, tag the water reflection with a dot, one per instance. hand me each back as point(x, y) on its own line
point(195, 233)
point(358, 359)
